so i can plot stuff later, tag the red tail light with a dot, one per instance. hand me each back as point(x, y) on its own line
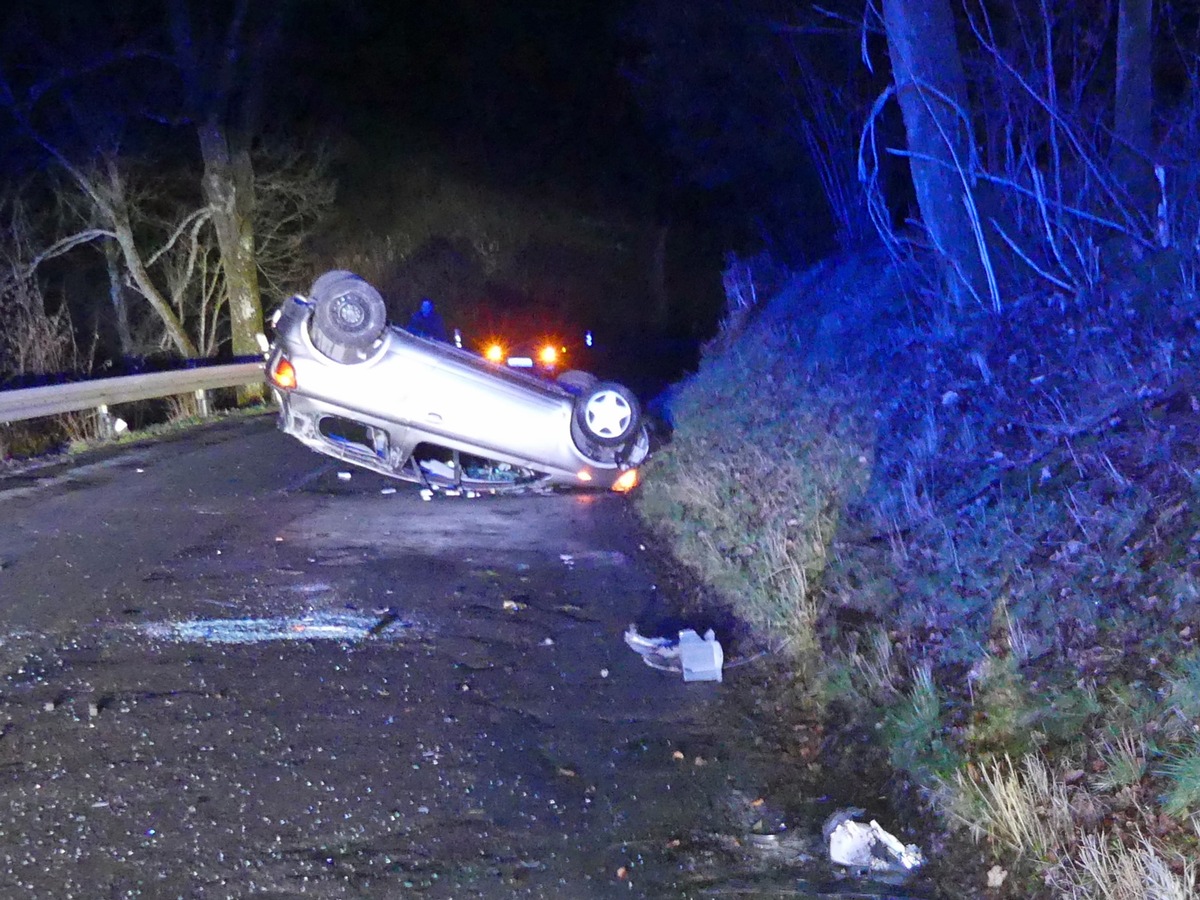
point(283, 374)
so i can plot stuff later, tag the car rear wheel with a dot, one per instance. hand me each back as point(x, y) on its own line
point(607, 413)
point(348, 316)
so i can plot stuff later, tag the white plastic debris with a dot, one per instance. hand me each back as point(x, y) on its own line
point(343, 476)
point(387, 491)
point(658, 653)
point(870, 847)
point(702, 658)
point(699, 659)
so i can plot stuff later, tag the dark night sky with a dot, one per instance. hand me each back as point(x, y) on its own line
point(526, 90)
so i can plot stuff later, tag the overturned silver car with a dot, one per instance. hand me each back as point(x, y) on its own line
point(354, 388)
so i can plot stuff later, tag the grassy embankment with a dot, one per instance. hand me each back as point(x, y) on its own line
point(983, 541)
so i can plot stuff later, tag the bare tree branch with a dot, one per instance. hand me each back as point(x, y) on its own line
point(193, 220)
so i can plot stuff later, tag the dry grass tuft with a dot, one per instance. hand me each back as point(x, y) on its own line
point(876, 669)
point(1020, 807)
point(1104, 868)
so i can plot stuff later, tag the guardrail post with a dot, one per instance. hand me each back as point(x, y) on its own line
point(202, 403)
point(105, 423)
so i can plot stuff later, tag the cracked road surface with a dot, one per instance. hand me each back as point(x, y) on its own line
point(230, 673)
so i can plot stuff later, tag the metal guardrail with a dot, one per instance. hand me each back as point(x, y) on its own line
point(31, 403)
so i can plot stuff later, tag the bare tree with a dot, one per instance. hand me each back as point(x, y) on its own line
point(105, 187)
point(222, 61)
point(35, 339)
point(1133, 101)
point(293, 191)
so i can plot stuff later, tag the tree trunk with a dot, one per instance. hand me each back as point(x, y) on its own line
point(1134, 99)
point(116, 294)
point(932, 92)
point(229, 190)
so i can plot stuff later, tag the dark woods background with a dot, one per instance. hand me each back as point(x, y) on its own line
point(171, 169)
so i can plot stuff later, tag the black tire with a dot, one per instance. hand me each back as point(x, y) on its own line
point(348, 316)
point(608, 414)
point(577, 381)
point(324, 282)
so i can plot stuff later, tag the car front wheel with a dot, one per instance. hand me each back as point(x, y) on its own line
point(348, 316)
point(608, 414)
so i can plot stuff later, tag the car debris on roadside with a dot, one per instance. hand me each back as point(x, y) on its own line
point(697, 658)
point(868, 847)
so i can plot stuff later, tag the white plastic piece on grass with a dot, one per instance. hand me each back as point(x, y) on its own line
point(343, 476)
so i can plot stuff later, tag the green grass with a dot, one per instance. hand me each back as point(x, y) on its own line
point(1125, 759)
point(751, 489)
point(1181, 769)
point(914, 732)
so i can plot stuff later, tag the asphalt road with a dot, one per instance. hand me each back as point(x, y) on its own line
point(229, 672)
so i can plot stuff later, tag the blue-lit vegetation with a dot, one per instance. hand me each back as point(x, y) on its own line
point(977, 448)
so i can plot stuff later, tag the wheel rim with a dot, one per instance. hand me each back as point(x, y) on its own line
point(607, 414)
point(350, 312)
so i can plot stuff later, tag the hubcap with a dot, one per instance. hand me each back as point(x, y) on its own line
point(350, 312)
point(608, 414)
